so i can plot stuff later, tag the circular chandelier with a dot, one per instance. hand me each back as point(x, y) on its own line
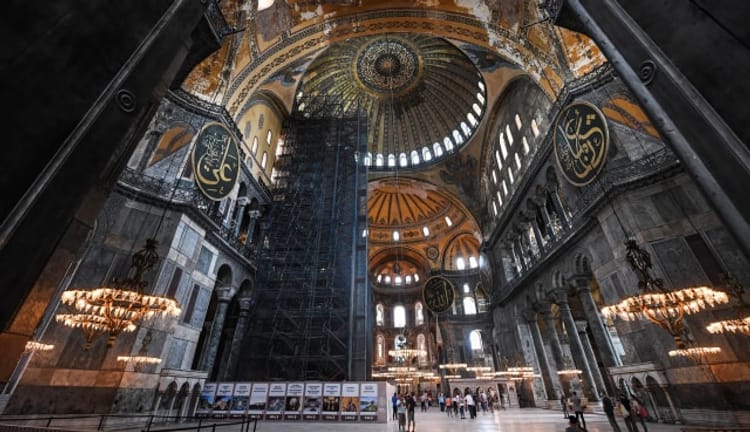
point(116, 309)
point(694, 352)
point(139, 359)
point(34, 346)
point(737, 325)
point(407, 353)
point(453, 366)
point(667, 309)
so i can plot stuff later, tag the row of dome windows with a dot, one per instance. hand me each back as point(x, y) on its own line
point(399, 312)
point(475, 343)
point(502, 154)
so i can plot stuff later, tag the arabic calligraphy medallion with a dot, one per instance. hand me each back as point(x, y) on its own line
point(581, 142)
point(438, 294)
point(215, 161)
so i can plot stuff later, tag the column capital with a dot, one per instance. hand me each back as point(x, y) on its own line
point(224, 293)
point(245, 303)
point(559, 296)
point(581, 326)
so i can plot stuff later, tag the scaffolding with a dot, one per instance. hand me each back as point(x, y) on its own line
point(312, 316)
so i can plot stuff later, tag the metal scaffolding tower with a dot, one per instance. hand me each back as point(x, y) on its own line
point(312, 319)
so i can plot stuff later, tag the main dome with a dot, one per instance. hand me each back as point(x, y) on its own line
point(422, 96)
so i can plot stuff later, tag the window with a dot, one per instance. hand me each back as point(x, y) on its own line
point(418, 314)
point(510, 135)
point(518, 122)
point(481, 85)
point(264, 161)
point(494, 177)
point(254, 147)
point(503, 148)
point(473, 262)
point(518, 162)
point(494, 208)
point(379, 314)
point(505, 189)
point(399, 317)
point(473, 120)
point(174, 284)
point(396, 236)
point(448, 143)
point(414, 157)
point(426, 231)
point(466, 288)
point(381, 349)
point(426, 155)
point(457, 137)
point(525, 145)
point(391, 160)
point(448, 221)
point(422, 346)
point(204, 261)
point(534, 128)
point(416, 277)
point(379, 160)
point(480, 97)
point(510, 176)
point(403, 160)
point(499, 199)
point(460, 263)
point(191, 304)
point(408, 279)
point(368, 159)
point(498, 160)
point(475, 340)
point(437, 149)
point(398, 280)
point(269, 135)
point(470, 307)
point(476, 109)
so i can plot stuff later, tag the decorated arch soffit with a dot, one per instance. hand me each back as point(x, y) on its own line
point(276, 40)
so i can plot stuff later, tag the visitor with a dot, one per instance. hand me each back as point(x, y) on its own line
point(411, 404)
point(423, 401)
point(461, 408)
point(628, 414)
point(578, 408)
point(609, 410)
point(394, 403)
point(401, 413)
point(449, 405)
point(639, 412)
point(483, 401)
point(441, 401)
point(564, 403)
point(573, 425)
point(471, 405)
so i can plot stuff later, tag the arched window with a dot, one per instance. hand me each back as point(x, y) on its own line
point(391, 160)
point(414, 157)
point(503, 148)
point(510, 176)
point(399, 317)
point(475, 340)
point(418, 314)
point(269, 135)
point(494, 177)
point(510, 135)
point(448, 143)
point(534, 128)
point(426, 155)
point(379, 160)
point(264, 161)
point(368, 159)
point(519, 124)
point(403, 160)
point(473, 262)
point(438, 149)
point(470, 307)
point(254, 147)
point(460, 263)
point(518, 162)
point(457, 137)
point(480, 97)
point(379, 314)
point(499, 161)
point(525, 146)
point(380, 350)
point(494, 208)
point(422, 346)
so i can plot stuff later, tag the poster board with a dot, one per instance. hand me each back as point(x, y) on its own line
point(368, 402)
point(240, 399)
point(331, 401)
point(293, 406)
point(350, 401)
point(258, 398)
point(222, 400)
point(313, 401)
point(276, 401)
point(206, 400)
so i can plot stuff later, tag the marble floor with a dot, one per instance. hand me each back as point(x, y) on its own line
point(510, 420)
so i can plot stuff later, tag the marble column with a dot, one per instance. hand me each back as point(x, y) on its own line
point(598, 329)
point(591, 355)
point(239, 332)
point(549, 376)
point(224, 295)
point(675, 413)
point(576, 348)
point(559, 208)
point(547, 221)
point(539, 236)
point(550, 331)
point(241, 204)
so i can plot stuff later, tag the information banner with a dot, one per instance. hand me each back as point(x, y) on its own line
point(276, 401)
point(350, 402)
point(258, 398)
point(240, 399)
point(206, 400)
point(368, 402)
point(331, 401)
point(312, 405)
point(222, 400)
point(294, 394)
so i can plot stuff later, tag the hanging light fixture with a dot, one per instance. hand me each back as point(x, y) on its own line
point(118, 308)
point(34, 346)
point(667, 309)
point(737, 325)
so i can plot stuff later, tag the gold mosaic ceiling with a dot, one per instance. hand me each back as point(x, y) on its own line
point(423, 96)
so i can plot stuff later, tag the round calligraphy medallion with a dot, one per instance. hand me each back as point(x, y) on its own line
point(215, 160)
point(438, 294)
point(581, 142)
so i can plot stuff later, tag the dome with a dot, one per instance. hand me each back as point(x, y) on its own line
point(423, 97)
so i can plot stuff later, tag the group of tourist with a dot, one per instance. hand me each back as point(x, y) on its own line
point(403, 410)
point(631, 410)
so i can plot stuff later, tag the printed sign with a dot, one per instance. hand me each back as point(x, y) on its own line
point(216, 161)
point(368, 402)
point(293, 407)
point(240, 399)
point(313, 401)
point(276, 401)
point(350, 402)
point(438, 294)
point(206, 400)
point(331, 401)
point(581, 142)
point(223, 400)
point(258, 399)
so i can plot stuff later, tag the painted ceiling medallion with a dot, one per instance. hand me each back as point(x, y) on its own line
point(388, 67)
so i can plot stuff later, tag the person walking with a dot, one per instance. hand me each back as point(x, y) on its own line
point(483, 401)
point(609, 410)
point(578, 409)
point(639, 412)
point(564, 403)
point(394, 403)
point(627, 413)
point(573, 425)
point(411, 404)
point(401, 412)
point(461, 408)
point(471, 404)
point(441, 401)
point(449, 405)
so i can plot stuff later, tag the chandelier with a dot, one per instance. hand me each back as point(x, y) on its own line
point(34, 346)
point(453, 366)
point(116, 309)
point(737, 325)
point(667, 309)
point(139, 359)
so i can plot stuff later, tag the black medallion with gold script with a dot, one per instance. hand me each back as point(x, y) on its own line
point(438, 294)
point(581, 142)
point(216, 162)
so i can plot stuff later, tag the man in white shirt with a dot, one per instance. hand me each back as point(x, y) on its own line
point(471, 405)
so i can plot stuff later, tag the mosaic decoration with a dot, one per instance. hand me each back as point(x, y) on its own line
point(388, 66)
